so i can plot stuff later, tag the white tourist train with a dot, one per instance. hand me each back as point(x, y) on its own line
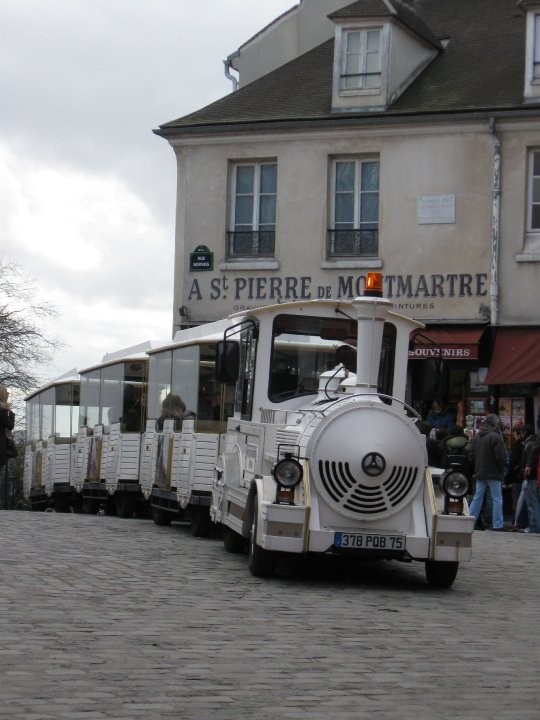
point(287, 427)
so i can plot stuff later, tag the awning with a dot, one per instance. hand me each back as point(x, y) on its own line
point(516, 357)
point(452, 343)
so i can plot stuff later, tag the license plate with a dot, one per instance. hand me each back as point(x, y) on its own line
point(354, 541)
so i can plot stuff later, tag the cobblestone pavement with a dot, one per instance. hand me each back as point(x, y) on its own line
point(109, 618)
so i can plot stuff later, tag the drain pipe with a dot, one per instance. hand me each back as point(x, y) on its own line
point(228, 63)
point(495, 222)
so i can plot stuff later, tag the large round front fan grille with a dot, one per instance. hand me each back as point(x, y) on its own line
point(366, 460)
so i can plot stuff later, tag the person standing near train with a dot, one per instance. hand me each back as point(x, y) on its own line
point(440, 417)
point(532, 453)
point(7, 422)
point(488, 455)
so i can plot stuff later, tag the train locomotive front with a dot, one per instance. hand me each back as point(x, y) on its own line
point(367, 463)
point(344, 471)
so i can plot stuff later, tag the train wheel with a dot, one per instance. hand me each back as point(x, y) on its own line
point(90, 506)
point(261, 563)
point(200, 521)
point(142, 509)
point(110, 506)
point(441, 574)
point(232, 542)
point(160, 517)
point(125, 505)
point(61, 504)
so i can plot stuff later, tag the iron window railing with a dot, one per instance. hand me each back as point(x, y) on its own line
point(352, 243)
point(251, 243)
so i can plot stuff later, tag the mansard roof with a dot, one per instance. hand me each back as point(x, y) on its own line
point(479, 68)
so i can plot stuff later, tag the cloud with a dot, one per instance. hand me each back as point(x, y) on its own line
point(95, 249)
point(87, 191)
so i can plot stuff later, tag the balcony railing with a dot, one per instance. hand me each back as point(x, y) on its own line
point(251, 243)
point(352, 243)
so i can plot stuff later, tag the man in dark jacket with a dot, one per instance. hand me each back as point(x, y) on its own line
point(515, 473)
point(487, 456)
point(531, 451)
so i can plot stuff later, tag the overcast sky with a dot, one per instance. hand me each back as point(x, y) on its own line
point(87, 191)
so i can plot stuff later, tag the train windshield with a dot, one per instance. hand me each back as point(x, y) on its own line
point(302, 348)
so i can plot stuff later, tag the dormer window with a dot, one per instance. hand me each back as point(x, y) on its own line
point(380, 47)
point(532, 49)
point(361, 60)
point(536, 61)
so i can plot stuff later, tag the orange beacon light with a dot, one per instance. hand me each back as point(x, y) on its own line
point(374, 285)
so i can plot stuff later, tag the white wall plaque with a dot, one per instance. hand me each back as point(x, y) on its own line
point(436, 209)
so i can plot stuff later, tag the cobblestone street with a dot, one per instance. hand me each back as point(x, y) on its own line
point(107, 618)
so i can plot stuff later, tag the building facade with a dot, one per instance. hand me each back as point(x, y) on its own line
point(402, 136)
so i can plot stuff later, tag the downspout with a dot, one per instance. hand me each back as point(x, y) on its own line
point(495, 222)
point(228, 63)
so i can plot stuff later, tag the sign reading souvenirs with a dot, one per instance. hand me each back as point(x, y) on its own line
point(201, 259)
point(448, 343)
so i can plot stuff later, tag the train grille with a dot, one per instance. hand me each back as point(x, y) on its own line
point(356, 497)
point(287, 438)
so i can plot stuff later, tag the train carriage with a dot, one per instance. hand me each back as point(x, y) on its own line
point(187, 414)
point(112, 420)
point(51, 423)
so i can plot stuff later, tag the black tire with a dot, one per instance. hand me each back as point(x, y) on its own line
point(90, 506)
point(233, 542)
point(200, 522)
point(441, 574)
point(125, 505)
point(261, 563)
point(61, 504)
point(160, 517)
point(110, 506)
point(142, 509)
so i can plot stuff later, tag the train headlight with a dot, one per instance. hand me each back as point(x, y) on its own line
point(288, 472)
point(455, 484)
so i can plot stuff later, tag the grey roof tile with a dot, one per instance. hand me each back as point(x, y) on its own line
point(481, 68)
point(403, 11)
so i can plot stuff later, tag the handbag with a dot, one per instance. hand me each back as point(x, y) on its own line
point(11, 448)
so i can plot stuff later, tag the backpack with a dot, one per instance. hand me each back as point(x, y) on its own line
point(456, 453)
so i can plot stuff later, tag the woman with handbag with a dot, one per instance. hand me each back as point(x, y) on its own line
point(7, 421)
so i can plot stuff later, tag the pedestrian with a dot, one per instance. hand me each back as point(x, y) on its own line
point(434, 450)
point(514, 476)
point(172, 407)
point(488, 454)
point(532, 453)
point(7, 422)
point(439, 417)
